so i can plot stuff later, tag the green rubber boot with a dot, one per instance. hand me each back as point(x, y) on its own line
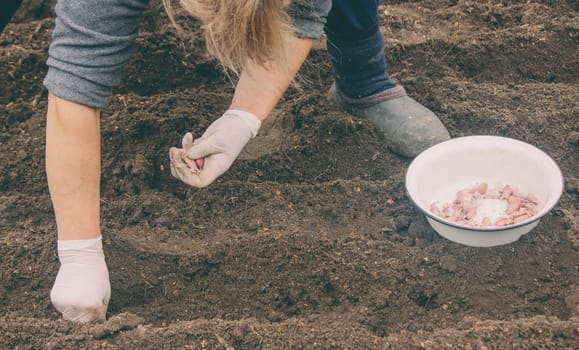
point(408, 126)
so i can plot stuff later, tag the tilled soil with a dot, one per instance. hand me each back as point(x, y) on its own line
point(309, 241)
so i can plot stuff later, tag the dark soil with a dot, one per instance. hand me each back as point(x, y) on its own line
point(309, 241)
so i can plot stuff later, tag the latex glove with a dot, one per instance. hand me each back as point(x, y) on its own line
point(82, 290)
point(200, 162)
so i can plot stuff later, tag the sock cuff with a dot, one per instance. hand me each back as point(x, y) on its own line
point(382, 96)
point(94, 244)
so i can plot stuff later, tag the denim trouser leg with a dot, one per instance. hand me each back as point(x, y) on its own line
point(9, 9)
point(91, 42)
point(356, 48)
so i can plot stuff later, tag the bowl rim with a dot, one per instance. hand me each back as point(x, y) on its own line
point(530, 220)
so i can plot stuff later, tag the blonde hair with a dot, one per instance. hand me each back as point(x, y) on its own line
point(238, 32)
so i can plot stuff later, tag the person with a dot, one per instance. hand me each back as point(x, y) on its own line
point(10, 8)
point(267, 41)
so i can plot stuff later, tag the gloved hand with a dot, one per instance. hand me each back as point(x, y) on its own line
point(200, 162)
point(82, 290)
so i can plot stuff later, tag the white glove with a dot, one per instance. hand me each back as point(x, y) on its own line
point(199, 163)
point(82, 290)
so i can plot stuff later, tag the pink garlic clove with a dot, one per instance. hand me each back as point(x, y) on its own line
point(200, 163)
point(192, 164)
point(486, 222)
point(532, 198)
point(520, 212)
point(506, 192)
point(434, 209)
point(531, 207)
point(482, 188)
point(501, 221)
point(471, 213)
point(445, 211)
point(463, 196)
point(456, 206)
point(521, 218)
point(513, 204)
point(456, 213)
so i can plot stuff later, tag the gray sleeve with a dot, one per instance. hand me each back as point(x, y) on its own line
point(309, 17)
point(91, 42)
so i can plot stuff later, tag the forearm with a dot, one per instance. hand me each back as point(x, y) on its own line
point(260, 88)
point(73, 167)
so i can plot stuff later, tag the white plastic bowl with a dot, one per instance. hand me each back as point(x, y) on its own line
point(439, 172)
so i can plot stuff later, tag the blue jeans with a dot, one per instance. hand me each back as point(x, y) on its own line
point(10, 7)
point(91, 42)
point(356, 48)
point(355, 44)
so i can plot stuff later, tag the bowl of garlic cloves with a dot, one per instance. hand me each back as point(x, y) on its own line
point(484, 191)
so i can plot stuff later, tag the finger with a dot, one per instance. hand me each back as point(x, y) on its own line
point(195, 179)
point(182, 172)
point(178, 156)
point(190, 162)
point(204, 149)
point(188, 177)
point(214, 166)
point(187, 144)
point(171, 163)
point(175, 155)
point(176, 161)
point(175, 158)
point(85, 315)
point(187, 141)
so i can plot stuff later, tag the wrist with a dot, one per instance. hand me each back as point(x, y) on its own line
point(260, 110)
point(252, 121)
